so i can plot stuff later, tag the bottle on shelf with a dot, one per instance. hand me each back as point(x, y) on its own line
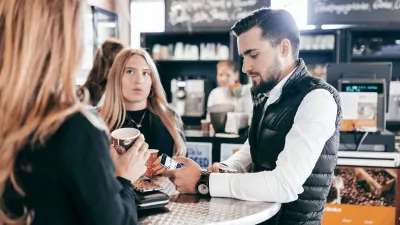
point(181, 51)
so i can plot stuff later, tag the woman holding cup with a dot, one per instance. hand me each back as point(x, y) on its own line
point(135, 98)
point(55, 164)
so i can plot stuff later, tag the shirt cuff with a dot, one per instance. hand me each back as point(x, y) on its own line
point(220, 185)
point(229, 164)
point(233, 165)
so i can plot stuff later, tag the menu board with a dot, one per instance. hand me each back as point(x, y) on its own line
point(321, 12)
point(190, 15)
point(362, 195)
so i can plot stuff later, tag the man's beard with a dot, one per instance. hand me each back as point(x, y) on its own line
point(268, 82)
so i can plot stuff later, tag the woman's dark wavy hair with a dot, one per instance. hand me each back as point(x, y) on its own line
point(103, 61)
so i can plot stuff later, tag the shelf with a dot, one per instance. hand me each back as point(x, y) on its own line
point(187, 33)
point(182, 61)
point(393, 122)
point(330, 51)
point(318, 32)
point(302, 52)
point(375, 28)
point(377, 57)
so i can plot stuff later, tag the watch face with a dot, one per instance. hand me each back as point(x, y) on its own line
point(203, 189)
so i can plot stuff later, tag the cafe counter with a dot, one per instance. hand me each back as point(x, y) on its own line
point(207, 148)
point(196, 209)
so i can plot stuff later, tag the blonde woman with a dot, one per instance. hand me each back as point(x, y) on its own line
point(55, 164)
point(135, 98)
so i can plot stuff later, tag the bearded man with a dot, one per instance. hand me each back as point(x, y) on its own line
point(291, 151)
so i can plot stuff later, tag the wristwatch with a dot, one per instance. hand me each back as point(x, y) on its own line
point(203, 184)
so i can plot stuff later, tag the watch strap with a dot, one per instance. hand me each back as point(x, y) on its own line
point(205, 179)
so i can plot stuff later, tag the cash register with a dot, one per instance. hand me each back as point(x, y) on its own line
point(364, 90)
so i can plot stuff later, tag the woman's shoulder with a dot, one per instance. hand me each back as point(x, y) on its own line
point(212, 97)
point(81, 129)
point(216, 91)
point(85, 119)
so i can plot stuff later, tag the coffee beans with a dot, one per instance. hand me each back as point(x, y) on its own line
point(358, 191)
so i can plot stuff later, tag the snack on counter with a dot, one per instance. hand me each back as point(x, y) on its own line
point(144, 185)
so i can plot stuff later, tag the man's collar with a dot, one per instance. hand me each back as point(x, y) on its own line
point(277, 90)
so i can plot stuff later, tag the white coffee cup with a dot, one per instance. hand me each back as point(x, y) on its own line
point(124, 138)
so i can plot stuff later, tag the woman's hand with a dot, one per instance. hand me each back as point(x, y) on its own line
point(132, 164)
point(157, 168)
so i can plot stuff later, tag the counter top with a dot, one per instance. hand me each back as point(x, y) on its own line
point(213, 153)
point(370, 159)
point(195, 209)
point(190, 209)
point(196, 135)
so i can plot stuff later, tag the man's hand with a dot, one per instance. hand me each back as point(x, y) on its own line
point(214, 168)
point(186, 178)
point(220, 168)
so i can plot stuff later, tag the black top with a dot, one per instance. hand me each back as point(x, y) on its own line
point(71, 179)
point(154, 131)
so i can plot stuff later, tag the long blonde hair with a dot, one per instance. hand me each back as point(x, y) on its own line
point(114, 109)
point(40, 51)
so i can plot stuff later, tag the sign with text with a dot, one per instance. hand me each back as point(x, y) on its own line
point(227, 150)
point(353, 11)
point(200, 152)
point(189, 15)
point(362, 195)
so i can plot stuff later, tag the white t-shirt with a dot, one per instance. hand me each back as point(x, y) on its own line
point(222, 95)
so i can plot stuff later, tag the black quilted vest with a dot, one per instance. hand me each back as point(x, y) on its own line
point(270, 141)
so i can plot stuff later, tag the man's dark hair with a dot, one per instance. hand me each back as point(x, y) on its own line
point(276, 25)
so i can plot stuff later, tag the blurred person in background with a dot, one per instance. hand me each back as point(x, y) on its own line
point(230, 90)
point(103, 61)
point(55, 164)
point(134, 97)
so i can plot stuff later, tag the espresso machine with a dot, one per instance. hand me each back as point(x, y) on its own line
point(189, 96)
